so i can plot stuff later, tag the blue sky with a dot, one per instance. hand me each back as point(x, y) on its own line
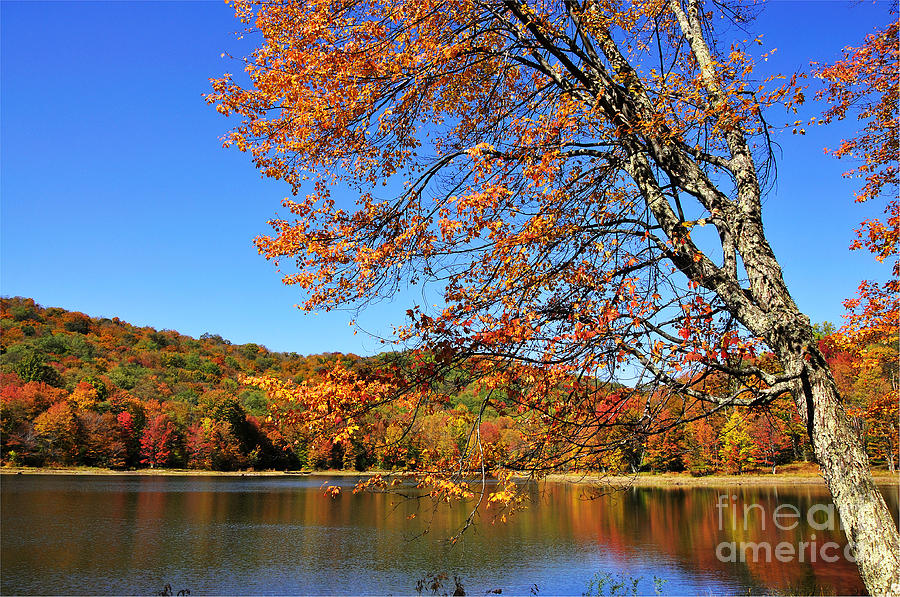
point(117, 199)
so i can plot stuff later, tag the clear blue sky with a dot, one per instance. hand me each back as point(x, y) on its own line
point(118, 199)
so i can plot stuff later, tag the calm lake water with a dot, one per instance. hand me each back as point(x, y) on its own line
point(281, 535)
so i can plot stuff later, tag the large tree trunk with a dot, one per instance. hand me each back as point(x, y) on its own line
point(767, 309)
point(836, 442)
point(864, 514)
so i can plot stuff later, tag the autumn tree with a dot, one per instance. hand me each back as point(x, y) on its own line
point(738, 450)
point(104, 442)
point(883, 429)
point(702, 452)
point(160, 442)
point(665, 452)
point(580, 183)
point(865, 83)
point(211, 445)
point(20, 405)
point(61, 431)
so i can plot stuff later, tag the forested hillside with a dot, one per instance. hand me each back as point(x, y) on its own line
point(78, 390)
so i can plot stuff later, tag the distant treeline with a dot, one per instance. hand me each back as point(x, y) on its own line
point(77, 390)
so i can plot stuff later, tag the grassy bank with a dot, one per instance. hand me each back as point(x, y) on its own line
point(798, 474)
point(680, 480)
point(792, 474)
point(173, 472)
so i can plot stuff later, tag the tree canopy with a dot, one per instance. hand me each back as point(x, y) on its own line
point(582, 184)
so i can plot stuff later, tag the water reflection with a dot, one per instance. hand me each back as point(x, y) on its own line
point(281, 535)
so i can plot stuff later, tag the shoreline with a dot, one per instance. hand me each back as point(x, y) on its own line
point(181, 472)
point(675, 480)
point(661, 480)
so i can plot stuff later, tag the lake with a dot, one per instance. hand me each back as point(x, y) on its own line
point(117, 535)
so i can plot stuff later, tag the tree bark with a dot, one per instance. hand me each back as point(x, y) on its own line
point(836, 442)
point(838, 447)
point(867, 522)
point(767, 309)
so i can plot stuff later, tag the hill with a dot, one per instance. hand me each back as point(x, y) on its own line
point(53, 357)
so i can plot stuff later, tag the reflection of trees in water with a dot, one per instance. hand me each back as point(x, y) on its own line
point(684, 525)
point(284, 534)
point(681, 524)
